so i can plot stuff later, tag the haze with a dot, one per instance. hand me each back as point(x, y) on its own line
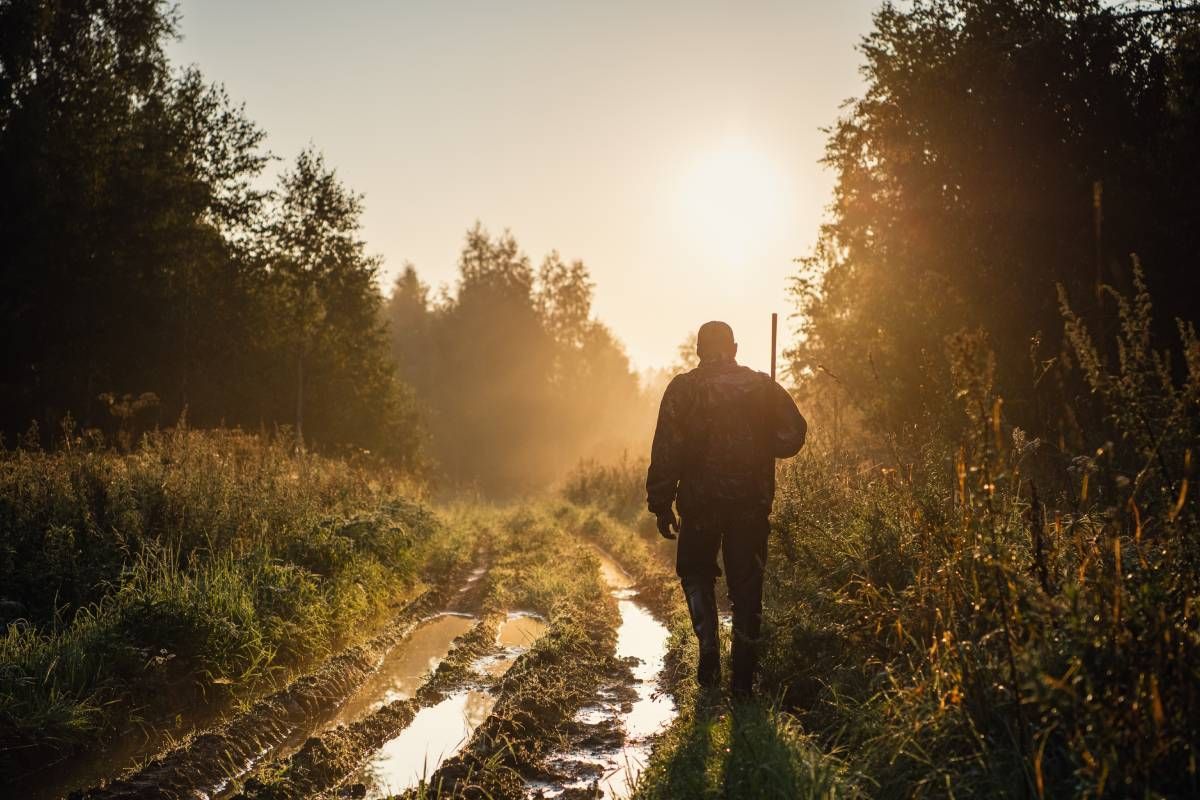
point(673, 147)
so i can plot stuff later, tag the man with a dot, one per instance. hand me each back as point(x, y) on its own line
point(720, 428)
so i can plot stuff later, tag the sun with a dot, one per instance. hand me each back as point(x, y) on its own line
point(732, 202)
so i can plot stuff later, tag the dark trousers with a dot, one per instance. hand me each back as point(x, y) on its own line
point(741, 537)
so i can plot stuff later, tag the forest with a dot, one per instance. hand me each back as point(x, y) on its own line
point(271, 529)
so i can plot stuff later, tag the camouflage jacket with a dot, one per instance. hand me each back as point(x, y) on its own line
point(720, 428)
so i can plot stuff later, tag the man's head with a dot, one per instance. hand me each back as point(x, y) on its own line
point(715, 340)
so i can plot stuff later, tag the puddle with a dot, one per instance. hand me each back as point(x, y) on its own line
point(643, 638)
point(404, 667)
point(400, 674)
point(516, 635)
point(611, 573)
point(435, 733)
point(521, 629)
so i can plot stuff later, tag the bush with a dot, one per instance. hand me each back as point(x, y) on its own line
point(956, 626)
point(618, 489)
point(201, 565)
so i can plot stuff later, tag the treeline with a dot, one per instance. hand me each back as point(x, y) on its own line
point(1001, 148)
point(141, 256)
point(516, 378)
point(149, 272)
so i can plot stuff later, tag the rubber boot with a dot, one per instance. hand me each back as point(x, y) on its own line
point(743, 661)
point(701, 597)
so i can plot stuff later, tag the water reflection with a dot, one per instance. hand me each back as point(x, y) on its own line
point(643, 638)
point(521, 629)
point(439, 731)
point(404, 667)
point(435, 733)
point(516, 635)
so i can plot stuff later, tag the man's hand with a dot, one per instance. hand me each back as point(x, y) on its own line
point(668, 524)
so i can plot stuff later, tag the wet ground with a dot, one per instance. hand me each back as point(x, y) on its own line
point(518, 631)
point(439, 731)
point(122, 756)
point(423, 696)
point(616, 732)
point(404, 667)
point(436, 733)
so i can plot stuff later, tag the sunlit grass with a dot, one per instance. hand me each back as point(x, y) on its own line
point(199, 568)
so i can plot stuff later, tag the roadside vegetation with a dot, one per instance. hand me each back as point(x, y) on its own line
point(1000, 616)
point(538, 561)
point(198, 569)
point(989, 616)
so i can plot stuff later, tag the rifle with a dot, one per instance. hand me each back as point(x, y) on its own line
point(774, 330)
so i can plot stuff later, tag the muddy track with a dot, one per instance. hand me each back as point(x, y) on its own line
point(328, 759)
point(539, 697)
point(556, 717)
point(575, 714)
point(536, 698)
point(606, 743)
point(205, 763)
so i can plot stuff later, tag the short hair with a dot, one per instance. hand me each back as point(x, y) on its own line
point(714, 338)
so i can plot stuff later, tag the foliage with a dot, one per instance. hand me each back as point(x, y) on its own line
point(618, 489)
point(1000, 617)
point(1000, 147)
point(198, 565)
point(320, 292)
point(142, 256)
point(517, 377)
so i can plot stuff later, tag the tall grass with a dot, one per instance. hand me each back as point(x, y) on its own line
point(999, 617)
point(200, 566)
point(993, 614)
point(618, 489)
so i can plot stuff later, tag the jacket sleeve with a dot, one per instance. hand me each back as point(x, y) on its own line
point(666, 454)
point(788, 426)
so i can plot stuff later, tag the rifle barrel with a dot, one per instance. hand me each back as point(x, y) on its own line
point(774, 329)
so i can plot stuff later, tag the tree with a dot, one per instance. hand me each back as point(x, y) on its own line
point(325, 306)
point(967, 175)
point(519, 381)
point(139, 256)
point(124, 186)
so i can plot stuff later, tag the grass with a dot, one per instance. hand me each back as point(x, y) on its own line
point(617, 489)
point(748, 750)
point(711, 749)
point(536, 566)
point(202, 567)
point(992, 616)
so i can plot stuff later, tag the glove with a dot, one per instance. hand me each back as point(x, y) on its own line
point(668, 522)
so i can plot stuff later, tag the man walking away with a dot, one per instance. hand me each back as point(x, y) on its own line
point(720, 428)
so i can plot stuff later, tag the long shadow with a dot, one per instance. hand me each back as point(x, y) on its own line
point(760, 763)
point(686, 774)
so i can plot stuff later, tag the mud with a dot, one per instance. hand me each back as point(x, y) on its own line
point(540, 697)
point(610, 738)
point(326, 760)
point(515, 705)
point(204, 765)
point(517, 633)
point(398, 743)
point(404, 668)
point(436, 733)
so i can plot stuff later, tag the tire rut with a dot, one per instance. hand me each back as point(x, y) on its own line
point(204, 765)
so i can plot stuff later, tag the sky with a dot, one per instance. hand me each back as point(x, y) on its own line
point(672, 147)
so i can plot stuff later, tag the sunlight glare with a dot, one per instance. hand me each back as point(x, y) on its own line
point(732, 202)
